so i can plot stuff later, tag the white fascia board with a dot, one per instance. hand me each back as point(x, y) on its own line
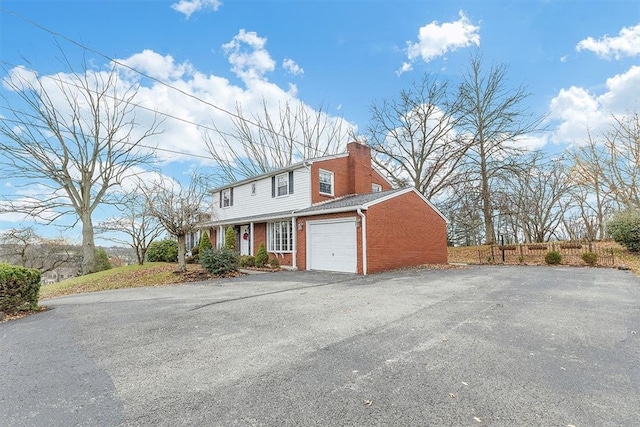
point(329, 211)
point(405, 191)
point(234, 221)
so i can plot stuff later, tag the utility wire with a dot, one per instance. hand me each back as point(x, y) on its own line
point(86, 48)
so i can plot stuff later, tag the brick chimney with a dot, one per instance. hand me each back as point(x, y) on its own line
point(359, 167)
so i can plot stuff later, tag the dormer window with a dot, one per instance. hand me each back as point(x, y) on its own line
point(326, 182)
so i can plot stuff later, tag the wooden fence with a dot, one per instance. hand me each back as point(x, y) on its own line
point(534, 253)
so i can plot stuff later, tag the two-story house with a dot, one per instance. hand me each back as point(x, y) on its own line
point(335, 213)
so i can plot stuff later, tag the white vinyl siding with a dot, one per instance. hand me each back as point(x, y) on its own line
point(262, 203)
point(279, 236)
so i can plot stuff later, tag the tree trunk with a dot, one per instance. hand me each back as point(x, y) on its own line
point(182, 243)
point(88, 244)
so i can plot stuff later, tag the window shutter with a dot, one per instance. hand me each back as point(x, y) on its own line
point(273, 186)
point(231, 197)
point(221, 199)
point(290, 182)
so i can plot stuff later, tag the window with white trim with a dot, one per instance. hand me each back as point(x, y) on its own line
point(376, 188)
point(282, 184)
point(326, 182)
point(280, 236)
point(227, 198)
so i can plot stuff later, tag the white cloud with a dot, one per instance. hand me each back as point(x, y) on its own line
point(435, 40)
point(247, 55)
point(291, 66)
point(189, 7)
point(155, 65)
point(627, 43)
point(578, 110)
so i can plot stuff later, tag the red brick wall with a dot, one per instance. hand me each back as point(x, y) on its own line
point(351, 175)
point(340, 170)
point(402, 232)
point(260, 236)
point(301, 259)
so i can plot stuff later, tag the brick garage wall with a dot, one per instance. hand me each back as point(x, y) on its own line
point(301, 258)
point(404, 232)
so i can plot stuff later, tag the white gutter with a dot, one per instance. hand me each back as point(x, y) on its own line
point(363, 228)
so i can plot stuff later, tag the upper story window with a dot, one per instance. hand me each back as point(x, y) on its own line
point(376, 188)
point(282, 185)
point(326, 182)
point(226, 198)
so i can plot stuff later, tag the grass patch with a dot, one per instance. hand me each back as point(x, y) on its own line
point(130, 276)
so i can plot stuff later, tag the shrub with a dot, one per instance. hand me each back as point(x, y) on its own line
point(247, 261)
point(102, 260)
point(19, 288)
point(163, 251)
point(219, 261)
point(230, 239)
point(203, 244)
point(553, 258)
point(624, 228)
point(274, 263)
point(262, 257)
point(590, 258)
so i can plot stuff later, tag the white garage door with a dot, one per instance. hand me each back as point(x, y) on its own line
point(331, 245)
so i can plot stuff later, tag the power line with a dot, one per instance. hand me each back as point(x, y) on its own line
point(86, 48)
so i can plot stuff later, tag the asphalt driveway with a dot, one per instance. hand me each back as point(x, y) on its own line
point(497, 346)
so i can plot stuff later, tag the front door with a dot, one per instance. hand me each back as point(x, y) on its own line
point(245, 240)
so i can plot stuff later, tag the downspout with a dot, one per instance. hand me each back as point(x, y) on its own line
point(294, 230)
point(363, 228)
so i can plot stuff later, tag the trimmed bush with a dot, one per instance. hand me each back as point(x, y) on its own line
point(203, 244)
point(19, 288)
point(163, 251)
point(219, 261)
point(230, 239)
point(274, 263)
point(590, 258)
point(247, 261)
point(553, 258)
point(262, 257)
point(624, 228)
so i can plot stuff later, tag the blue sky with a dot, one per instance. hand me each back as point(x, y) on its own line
point(579, 59)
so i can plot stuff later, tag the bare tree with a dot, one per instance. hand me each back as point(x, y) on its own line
point(136, 223)
point(177, 208)
point(621, 174)
point(414, 138)
point(76, 134)
point(494, 117)
point(539, 198)
point(261, 142)
point(26, 248)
